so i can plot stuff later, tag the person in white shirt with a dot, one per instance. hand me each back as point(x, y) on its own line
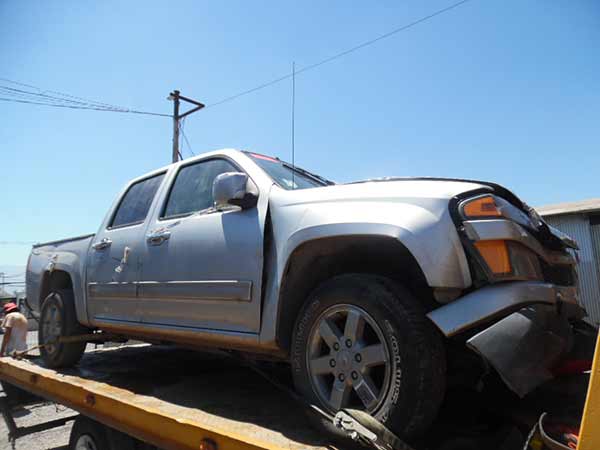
point(15, 330)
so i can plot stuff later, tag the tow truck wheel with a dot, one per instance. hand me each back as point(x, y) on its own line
point(88, 435)
point(364, 342)
point(58, 319)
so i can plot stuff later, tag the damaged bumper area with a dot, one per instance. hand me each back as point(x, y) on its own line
point(499, 300)
point(524, 346)
point(529, 333)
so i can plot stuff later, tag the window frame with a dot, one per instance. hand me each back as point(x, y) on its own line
point(161, 216)
point(113, 215)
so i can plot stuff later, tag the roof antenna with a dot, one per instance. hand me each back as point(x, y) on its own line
point(293, 108)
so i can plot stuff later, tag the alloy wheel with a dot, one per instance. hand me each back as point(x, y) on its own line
point(348, 359)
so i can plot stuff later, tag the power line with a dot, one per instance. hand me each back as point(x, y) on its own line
point(129, 111)
point(62, 94)
point(340, 54)
point(61, 100)
point(28, 95)
point(185, 136)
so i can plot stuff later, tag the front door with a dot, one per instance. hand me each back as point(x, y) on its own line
point(113, 259)
point(202, 268)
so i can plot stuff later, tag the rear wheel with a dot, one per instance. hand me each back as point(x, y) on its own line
point(362, 342)
point(87, 434)
point(58, 319)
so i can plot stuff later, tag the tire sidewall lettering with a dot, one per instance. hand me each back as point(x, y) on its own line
point(396, 381)
point(301, 335)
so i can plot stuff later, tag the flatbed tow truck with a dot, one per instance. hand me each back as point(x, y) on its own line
point(149, 396)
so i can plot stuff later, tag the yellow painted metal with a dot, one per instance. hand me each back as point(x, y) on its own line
point(139, 416)
point(589, 436)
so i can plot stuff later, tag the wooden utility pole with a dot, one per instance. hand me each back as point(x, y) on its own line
point(177, 97)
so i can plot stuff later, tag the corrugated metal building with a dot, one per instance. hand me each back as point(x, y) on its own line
point(581, 221)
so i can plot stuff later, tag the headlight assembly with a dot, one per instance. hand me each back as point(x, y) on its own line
point(492, 207)
point(509, 260)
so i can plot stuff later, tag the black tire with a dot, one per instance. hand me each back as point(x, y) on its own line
point(55, 355)
point(415, 361)
point(94, 434)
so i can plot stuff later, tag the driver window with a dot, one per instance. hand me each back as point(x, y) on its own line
point(192, 189)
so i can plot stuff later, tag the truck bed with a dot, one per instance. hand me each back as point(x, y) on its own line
point(172, 398)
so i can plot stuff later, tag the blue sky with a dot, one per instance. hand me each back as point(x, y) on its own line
point(507, 91)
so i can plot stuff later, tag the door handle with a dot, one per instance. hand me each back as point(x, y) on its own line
point(158, 237)
point(101, 245)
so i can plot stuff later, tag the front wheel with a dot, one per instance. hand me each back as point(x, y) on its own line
point(58, 319)
point(363, 342)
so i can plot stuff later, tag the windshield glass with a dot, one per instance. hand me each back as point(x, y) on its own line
point(286, 176)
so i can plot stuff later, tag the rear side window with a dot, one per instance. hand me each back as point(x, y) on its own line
point(136, 202)
point(192, 189)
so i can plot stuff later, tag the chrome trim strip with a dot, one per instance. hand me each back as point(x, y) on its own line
point(497, 300)
point(112, 289)
point(485, 230)
point(233, 290)
point(196, 290)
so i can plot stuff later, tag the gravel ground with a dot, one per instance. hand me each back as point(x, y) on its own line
point(55, 439)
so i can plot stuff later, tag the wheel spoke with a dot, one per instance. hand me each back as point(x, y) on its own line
point(373, 355)
point(354, 326)
point(366, 391)
point(329, 332)
point(321, 366)
point(340, 395)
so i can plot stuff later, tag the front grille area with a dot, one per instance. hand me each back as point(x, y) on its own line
point(563, 275)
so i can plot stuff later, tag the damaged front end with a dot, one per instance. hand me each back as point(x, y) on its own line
point(519, 315)
point(525, 346)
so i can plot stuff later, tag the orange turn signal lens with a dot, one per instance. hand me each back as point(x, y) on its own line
point(481, 207)
point(495, 254)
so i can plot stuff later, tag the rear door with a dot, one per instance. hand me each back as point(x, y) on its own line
point(202, 268)
point(113, 258)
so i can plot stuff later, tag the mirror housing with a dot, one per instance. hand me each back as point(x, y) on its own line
point(234, 188)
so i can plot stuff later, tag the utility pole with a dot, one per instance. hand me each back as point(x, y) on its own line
point(176, 97)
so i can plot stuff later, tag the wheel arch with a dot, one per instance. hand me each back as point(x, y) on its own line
point(61, 278)
point(52, 280)
point(317, 260)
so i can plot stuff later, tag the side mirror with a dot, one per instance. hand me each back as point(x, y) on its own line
point(234, 188)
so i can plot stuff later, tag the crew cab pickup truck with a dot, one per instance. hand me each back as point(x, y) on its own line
point(373, 291)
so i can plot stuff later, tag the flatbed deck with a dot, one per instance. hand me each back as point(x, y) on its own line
point(172, 398)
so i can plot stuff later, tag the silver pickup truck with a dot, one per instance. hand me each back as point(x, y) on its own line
point(373, 291)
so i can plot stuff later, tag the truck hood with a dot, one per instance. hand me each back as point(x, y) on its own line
point(429, 193)
point(498, 189)
point(411, 190)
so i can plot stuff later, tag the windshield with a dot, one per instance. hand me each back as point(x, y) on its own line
point(286, 175)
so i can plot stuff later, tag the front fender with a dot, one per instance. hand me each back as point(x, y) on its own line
point(428, 234)
point(426, 231)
